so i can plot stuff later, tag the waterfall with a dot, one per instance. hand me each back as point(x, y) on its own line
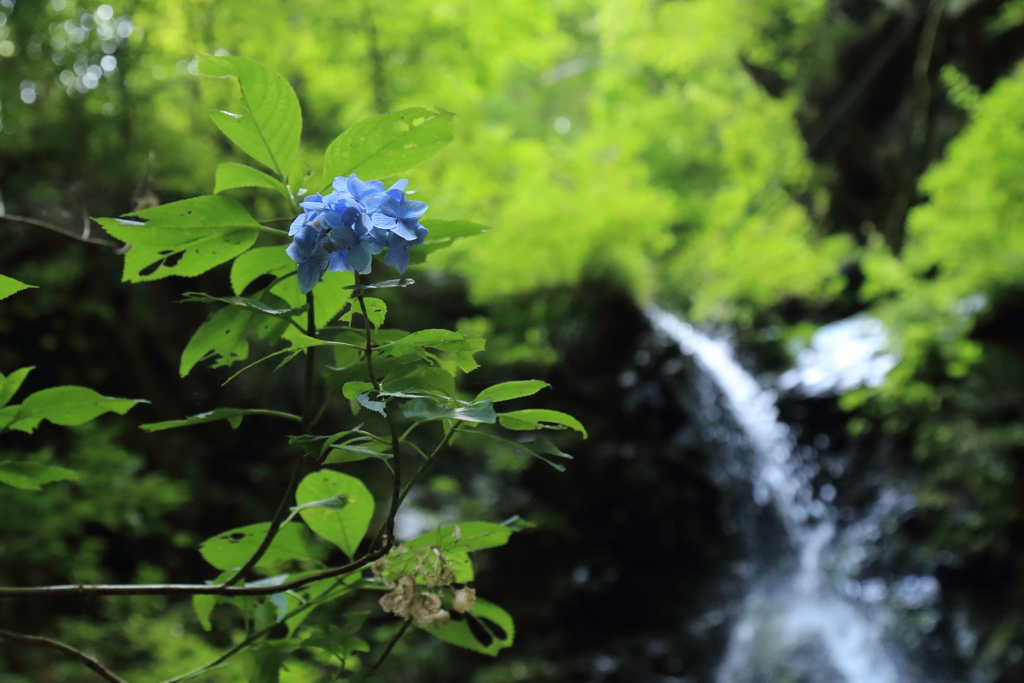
point(808, 619)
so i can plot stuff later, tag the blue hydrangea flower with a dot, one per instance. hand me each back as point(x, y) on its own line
point(312, 257)
point(398, 215)
point(345, 229)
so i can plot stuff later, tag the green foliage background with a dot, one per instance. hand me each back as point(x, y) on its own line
point(682, 177)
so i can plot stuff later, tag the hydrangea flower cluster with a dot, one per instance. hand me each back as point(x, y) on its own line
point(345, 229)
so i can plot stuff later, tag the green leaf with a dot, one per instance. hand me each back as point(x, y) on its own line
point(234, 176)
point(464, 536)
point(421, 410)
point(9, 286)
point(353, 389)
point(68, 406)
point(333, 503)
point(376, 406)
point(10, 384)
point(538, 448)
point(270, 125)
point(375, 311)
point(222, 337)
point(488, 629)
point(344, 528)
point(32, 475)
point(384, 145)
point(248, 303)
point(232, 549)
point(385, 284)
point(259, 261)
point(449, 230)
point(203, 606)
point(184, 238)
point(232, 415)
point(341, 453)
point(540, 419)
point(419, 378)
point(506, 391)
point(438, 339)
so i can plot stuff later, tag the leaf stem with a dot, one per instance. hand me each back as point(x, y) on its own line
point(66, 649)
point(391, 645)
point(307, 403)
point(396, 490)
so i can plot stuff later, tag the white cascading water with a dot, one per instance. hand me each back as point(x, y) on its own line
point(800, 621)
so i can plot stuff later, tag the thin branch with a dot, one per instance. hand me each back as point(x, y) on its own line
point(282, 507)
point(396, 489)
point(186, 589)
point(394, 641)
point(880, 58)
point(63, 231)
point(254, 637)
point(915, 155)
point(66, 649)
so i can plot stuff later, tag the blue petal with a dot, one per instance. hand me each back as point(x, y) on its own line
point(312, 269)
point(412, 210)
point(399, 185)
point(339, 262)
point(358, 257)
point(398, 256)
point(313, 201)
point(299, 221)
point(307, 236)
point(383, 221)
point(406, 230)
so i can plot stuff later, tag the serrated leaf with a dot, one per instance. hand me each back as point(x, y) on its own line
point(385, 284)
point(270, 125)
point(222, 337)
point(488, 629)
point(68, 406)
point(344, 528)
point(32, 476)
point(417, 378)
point(506, 391)
point(353, 389)
point(251, 304)
point(540, 419)
point(384, 145)
point(233, 176)
point(10, 384)
point(9, 286)
point(464, 536)
point(421, 410)
point(233, 548)
point(376, 310)
point(185, 238)
point(259, 261)
point(377, 406)
point(341, 453)
point(232, 415)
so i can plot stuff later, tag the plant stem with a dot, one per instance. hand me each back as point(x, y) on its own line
point(307, 403)
point(396, 489)
point(66, 649)
point(394, 641)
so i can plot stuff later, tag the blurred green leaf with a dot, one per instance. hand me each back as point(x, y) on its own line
point(488, 629)
point(422, 409)
point(32, 475)
point(232, 415)
point(270, 125)
point(68, 406)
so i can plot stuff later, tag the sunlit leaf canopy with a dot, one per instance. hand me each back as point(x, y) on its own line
point(617, 138)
